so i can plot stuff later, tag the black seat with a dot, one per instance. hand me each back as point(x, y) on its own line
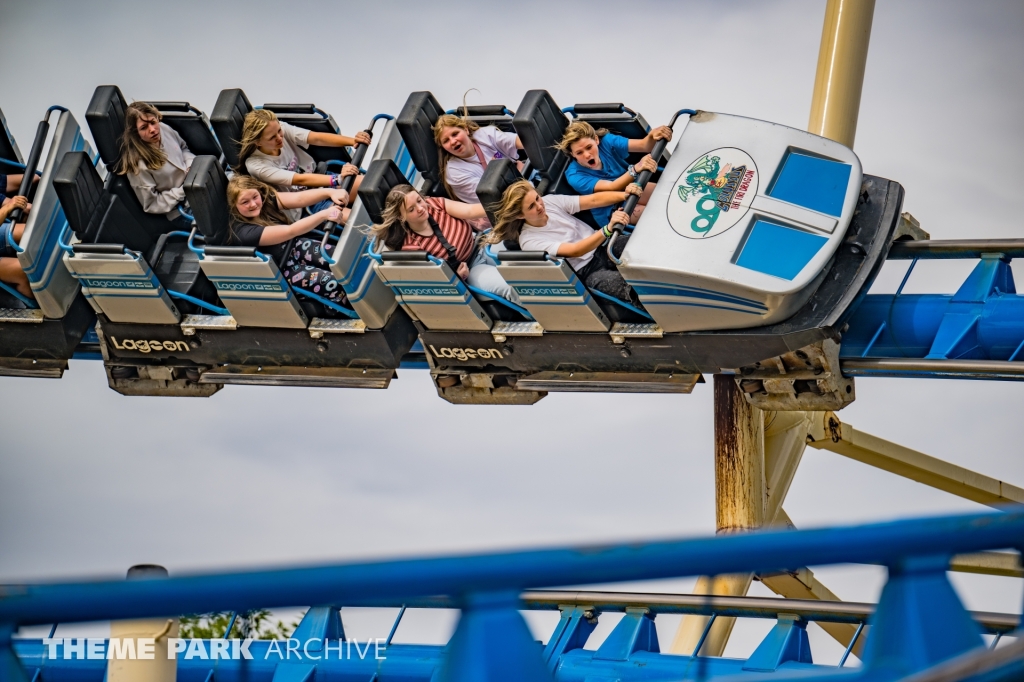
point(100, 219)
point(229, 116)
point(381, 177)
point(416, 125)
point(192, 125)
point(105, 116)
point(541, 125)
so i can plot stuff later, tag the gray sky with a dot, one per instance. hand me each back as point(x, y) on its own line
point(92, 482)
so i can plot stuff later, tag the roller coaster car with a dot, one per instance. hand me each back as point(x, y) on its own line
point(767, 239)
point(38, 337)
point(153, 297)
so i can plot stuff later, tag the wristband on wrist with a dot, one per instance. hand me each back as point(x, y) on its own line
point(334, 181)
point(607, 232)
point(632, 171)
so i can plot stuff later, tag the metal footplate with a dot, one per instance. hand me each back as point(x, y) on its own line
point(24, 315)
point(319, 326)
point(608, 382)
point(328, 377)
point(621, 331)
point(502, 330)
point(191, 323)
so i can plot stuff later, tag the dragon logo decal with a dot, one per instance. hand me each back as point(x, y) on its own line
point(713, 193)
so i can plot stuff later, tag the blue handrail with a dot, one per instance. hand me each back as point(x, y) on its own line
point(501, 300)
point(620, 302)
point(892, 544)
point(198, 250)
point(16, 164)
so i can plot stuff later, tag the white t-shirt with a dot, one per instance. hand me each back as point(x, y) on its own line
point(279, 171)
point(562, 228)
point(464, 174)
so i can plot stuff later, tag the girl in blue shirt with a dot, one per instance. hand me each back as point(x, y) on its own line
point(599, 163)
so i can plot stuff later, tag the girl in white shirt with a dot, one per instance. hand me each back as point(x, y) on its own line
point(156, 160)
point(547, 224)
point(275, 153)
point(465, 149)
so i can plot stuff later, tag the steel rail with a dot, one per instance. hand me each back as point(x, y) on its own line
point(962, 369)
point(955, 248)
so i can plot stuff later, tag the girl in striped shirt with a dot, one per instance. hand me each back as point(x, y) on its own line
point(408, 224)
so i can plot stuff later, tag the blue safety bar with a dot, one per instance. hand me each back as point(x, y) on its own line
point(198, 250)
point(16, 164)
point(10, 238)
point(348, 312)
point(500, 300)
point(17, 294)
point(199, 302)
point(621, 303)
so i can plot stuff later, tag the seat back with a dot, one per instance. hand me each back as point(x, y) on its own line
point(429, 290)
point(53, 286)
point(8, 148)
point(120, 284)
point(206, 188)
point(227, 119)
point(541, 124)
point(552, 292)
point(497, 177)
point(94, 213)
point(252, 288)
point(192, 125)
point(415, 124)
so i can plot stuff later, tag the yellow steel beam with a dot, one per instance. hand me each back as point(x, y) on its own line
point(828, 433)
point(1005, 564)
point(839, 79)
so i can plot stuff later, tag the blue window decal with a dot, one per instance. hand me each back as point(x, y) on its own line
point(778, 250)
point(812, 182)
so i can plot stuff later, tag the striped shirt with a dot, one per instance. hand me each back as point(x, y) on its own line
point(457, 231)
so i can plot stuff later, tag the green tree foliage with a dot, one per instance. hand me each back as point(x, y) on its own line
point(257, 624)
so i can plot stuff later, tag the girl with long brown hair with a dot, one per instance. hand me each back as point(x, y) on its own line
point(156, 160)
point(441, 227)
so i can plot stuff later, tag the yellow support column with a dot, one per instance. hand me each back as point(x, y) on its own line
point(148, 639)
point(840, 76)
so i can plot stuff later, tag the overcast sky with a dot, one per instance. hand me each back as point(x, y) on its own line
point(92, 482)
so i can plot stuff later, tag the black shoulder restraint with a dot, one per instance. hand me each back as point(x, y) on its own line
point(452, 261)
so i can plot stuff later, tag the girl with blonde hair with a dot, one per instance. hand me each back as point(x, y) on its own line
point(275, 152)
point(547, 224)
point(156, 160)
point(441, 227)
point(259, 219)
point(600, 163)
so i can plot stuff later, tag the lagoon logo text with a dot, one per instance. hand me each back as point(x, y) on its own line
point(144, 346)
point(468, 353)
point(144, 648)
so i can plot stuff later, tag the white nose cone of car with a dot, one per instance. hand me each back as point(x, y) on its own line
point(742, 225)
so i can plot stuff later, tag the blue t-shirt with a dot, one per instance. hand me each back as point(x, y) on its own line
point(613, 150)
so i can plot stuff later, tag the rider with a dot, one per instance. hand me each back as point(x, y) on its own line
point(600, 163)
point(275, 152)
point(547, 224)
point(156, 160)
point(258, 219)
